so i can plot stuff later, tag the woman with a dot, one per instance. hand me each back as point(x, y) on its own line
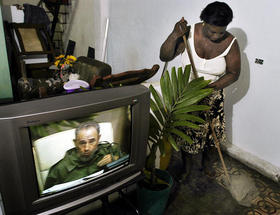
point(216, 57)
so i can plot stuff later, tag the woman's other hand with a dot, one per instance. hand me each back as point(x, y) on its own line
point(181, 28)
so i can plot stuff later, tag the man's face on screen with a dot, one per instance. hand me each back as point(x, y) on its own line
point(86, 142)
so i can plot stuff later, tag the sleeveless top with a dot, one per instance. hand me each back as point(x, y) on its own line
point(210, 69)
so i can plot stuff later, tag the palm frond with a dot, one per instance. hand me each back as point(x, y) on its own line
point(175, 108)
point(196, 84)
point(182, 135)
point(185, 124)
point(193, 98)
point(158, 100)
point(187, 73)
point(157, 112)
point(181, 83)
point(189, 117)
point(173, 142)
point(174, 83)
point(165, 85)
point(155, 127)
point(192, 108)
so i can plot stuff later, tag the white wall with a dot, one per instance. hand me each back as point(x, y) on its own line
point(252, 103)
point(87, 26)
point(138, 28)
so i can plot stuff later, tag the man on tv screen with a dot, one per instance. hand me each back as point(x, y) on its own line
point(88, 156)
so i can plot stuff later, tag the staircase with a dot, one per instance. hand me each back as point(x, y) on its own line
point(59, 13)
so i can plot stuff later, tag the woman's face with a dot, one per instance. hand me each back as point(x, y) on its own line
point(213, 32)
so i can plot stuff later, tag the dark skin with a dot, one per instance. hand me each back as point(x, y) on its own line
point(210, 41)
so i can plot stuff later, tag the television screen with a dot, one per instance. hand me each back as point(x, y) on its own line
point(70, 152)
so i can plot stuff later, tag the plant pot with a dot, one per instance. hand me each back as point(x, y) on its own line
point(154, 201)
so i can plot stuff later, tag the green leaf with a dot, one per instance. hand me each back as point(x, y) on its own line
point(156, 111)
point(189, 117)
point(171, 93)
point(191, 108)
point(186, 123)
point(174, 83)
point(194, 98)
point(154, 141)
point(173, 142)
point(187, 72)
point(159, 101)
point(182, 135)
point(156, 95)
point(165, 85)
point(155, 127)
point(150, 161)
point(196, 84)
point(163, 89)
point(197, 81)
point(197, 92)
point(181, 84)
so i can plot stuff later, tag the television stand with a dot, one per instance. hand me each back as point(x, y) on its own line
point(106, 209)
point(129, 202)
point(108, 206)
point(105, 205)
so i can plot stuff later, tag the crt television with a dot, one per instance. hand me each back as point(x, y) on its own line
point(36, 135)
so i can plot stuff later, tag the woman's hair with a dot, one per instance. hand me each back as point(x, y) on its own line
point(217, 13)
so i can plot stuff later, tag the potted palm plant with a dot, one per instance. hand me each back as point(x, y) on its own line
point(171, 110)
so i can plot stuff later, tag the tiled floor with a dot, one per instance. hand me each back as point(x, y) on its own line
point(268, 200)
point(214, 198)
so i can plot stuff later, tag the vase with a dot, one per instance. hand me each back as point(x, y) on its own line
point(154, 201)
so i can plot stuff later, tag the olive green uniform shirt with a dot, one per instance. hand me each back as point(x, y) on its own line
point(71, 168)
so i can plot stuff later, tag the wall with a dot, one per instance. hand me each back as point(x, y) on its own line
point(252, 102)
point(137, 30)
point(87, 26)
point(129, 47)
point(6, 93)
point(20, 2)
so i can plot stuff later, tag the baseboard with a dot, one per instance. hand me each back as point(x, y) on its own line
point(263, 167)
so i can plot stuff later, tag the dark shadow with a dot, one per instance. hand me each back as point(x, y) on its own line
point(238, 90)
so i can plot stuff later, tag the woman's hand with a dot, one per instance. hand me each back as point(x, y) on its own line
point(174, 44)
point(181, 28)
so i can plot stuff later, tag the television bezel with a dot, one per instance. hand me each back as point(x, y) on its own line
point(18, 180)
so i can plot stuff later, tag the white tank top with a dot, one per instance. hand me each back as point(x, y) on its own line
point(210, 69)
